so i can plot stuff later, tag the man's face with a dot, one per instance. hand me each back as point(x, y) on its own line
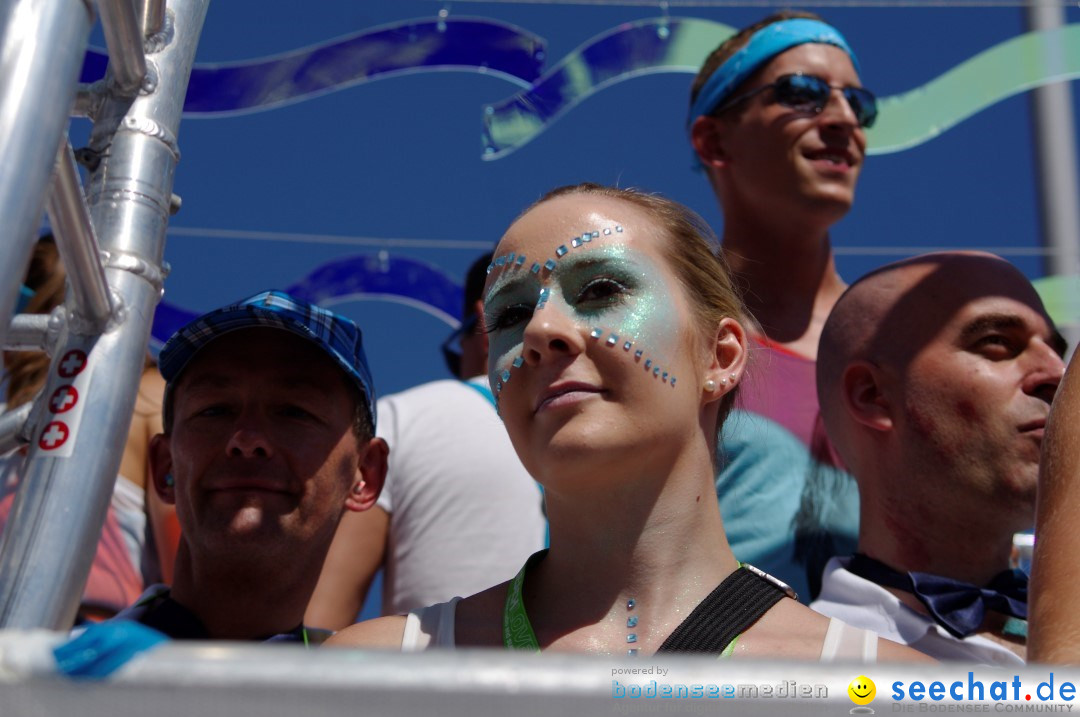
point(976, 394)
point(779, 158)
point(262, 449)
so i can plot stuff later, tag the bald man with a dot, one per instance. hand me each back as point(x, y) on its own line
point(935, 377)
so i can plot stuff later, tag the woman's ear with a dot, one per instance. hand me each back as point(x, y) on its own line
point(727, 361)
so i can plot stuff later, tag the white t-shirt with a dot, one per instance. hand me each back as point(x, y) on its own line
point(464, 513)
point(863, 603)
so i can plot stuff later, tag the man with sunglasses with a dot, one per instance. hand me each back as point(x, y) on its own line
point(458, 512)
point(777, 121)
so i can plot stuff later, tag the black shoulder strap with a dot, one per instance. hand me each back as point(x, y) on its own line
point(729, 610)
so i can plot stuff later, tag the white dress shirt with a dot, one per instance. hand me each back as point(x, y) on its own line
point(860, 602)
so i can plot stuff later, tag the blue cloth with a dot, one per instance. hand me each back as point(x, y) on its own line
point(765, 44)
point(336, 335)
point(103, 648)
point(783, 511)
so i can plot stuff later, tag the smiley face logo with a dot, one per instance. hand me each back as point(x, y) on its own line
point(862, 690)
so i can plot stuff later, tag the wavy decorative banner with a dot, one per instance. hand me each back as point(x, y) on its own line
point(361, 277)
point(1022, 63)
point(1061, 296)
point(681, 45)
point(454, 44)
point(627, 51)
point(677, 45)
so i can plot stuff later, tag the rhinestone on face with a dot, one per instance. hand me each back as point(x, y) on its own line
point(520, 360)
point(656, 371)
point(549, 264)
point(631, 621)
point(664, 377)
point(618, 229)
point(637, 354)
point(648, 364)
point(520, 260)
point(498, 386)
point(575, 242)
point(510, 257)
point(612, 340)
point(673, 382)
point(596, 333)
point(535, 268)
point(505, 376)
point(607, 232)
point(631, 603)
point(632, 637)
point(594, 235)
point(586, 237)
point(632, 652)
point(561, 251)
point(490, 267)
point(627, 345)
point(500, 261)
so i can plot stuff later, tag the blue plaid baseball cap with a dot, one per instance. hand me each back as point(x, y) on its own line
point(338, 336)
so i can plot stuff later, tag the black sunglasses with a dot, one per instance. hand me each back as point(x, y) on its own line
point(810, 93)
point(451, 348)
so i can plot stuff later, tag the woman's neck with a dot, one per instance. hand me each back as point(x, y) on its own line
point(666, 552)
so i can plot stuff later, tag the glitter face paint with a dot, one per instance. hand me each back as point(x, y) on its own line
point(615, 295)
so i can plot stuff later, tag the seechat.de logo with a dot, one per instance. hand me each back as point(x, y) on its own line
point(862, 692)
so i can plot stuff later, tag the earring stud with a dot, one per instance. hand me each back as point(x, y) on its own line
point(710, 385)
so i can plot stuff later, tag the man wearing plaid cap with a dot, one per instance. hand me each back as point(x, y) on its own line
point(269, 437)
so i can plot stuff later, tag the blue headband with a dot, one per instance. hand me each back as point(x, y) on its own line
point(765, 44)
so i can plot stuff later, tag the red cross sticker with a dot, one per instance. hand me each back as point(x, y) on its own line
point(54, 436)
point(72, 364)
point(63, 399)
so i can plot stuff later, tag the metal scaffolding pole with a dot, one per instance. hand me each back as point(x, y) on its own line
point(75, 238)
point(1055, 142)
point(123, 38)
point(41, 50)
point(75, 454)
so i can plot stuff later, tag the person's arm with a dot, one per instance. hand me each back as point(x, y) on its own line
point(355, 556)
point(1054, 621)
point(382, 633)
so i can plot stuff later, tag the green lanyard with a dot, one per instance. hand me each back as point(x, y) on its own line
point(517, 630)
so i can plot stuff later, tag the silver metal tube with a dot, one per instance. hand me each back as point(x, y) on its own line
point(28, 332)
point(123, 38)
point(41, 50)
point(75, 238)
point(11, 427)
point(62, 501)
point(153, 16)
point(1055, 142)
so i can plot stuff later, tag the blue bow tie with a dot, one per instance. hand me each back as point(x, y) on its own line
point(958, 607)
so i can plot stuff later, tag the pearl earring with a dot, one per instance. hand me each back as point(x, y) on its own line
point(710, 385)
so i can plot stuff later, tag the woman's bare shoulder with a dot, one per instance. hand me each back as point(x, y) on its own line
point(380, 633)
point(791, 630)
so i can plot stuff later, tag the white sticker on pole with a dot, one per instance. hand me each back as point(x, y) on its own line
point(65, 404)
